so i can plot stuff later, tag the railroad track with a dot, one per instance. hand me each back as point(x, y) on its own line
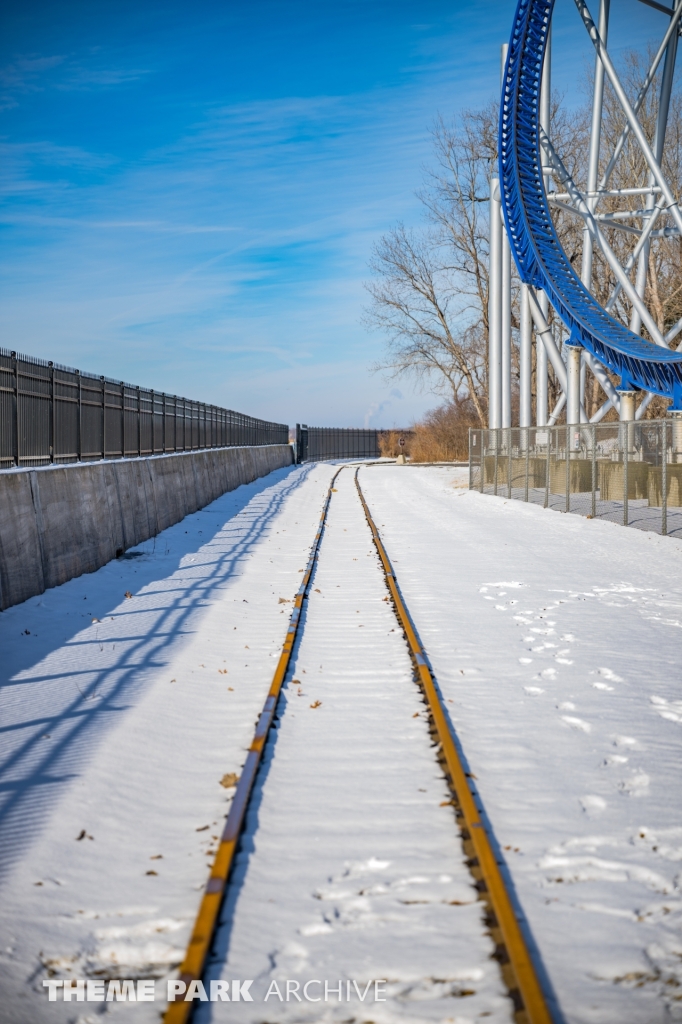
point(512, 952)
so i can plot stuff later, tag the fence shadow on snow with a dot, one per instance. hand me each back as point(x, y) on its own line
point(34, 771)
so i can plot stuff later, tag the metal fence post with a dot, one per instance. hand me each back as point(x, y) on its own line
point(527, 444)
point(484, 437)
point(496, 435)
point(594, 470)
point(52, 412)
point(664, 478)
point(104, 417)
point(15, 373)
point(139, 424)
point(79, 429)
point(568, 468)
point(547, 466)
point(509, 464)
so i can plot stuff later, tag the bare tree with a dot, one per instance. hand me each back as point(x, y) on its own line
point(430, 291)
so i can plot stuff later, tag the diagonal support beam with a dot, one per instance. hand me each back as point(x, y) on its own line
point(596, 234)
point(641, 95)
point(633, 121)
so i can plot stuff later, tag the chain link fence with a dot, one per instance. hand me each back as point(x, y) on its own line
point(316, 444)
point(54, 414)
point(629, 473)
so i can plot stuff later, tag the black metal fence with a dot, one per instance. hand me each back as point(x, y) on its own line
point(315, 444)
point(51, 413)
point(629, 473)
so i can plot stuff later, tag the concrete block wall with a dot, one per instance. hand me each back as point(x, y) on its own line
point(62, 521)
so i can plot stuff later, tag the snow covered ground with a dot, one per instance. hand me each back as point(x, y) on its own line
point(558, 640)
point(555, 641)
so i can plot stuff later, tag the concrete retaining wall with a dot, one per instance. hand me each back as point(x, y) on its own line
point(59, 522)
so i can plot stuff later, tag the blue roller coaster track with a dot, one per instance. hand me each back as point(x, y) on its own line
point(539, 256)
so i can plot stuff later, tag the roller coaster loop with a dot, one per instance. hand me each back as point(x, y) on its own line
point(539, 256)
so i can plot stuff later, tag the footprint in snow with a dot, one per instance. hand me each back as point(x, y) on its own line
point(670, 710)
point(609, 674)
point(614, 760)
point(637, 785)
point(592, 805)
point(627, 742)
point(576, 723)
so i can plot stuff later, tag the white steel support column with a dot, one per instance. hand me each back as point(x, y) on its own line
point(526, 360)
point(505, 330)
point(505, 306)
point(593, 152)
point(541, 370)
point(627, 406)
point(541, 364)
point(627, 418)
point(593, 163)
point(494, 309)
point(574, 353)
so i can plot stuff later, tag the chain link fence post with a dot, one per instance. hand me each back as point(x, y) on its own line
point(594, 470)
point(526, 434)
point(509, 462)
point(484, 448)
point(664, 478)
point(568, 468)
point(496, 455)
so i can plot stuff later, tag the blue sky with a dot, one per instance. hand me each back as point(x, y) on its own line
point(190, 192)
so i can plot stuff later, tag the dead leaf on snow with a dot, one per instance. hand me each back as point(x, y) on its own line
point(316, 704)
point(128, 594)
point(229, 780)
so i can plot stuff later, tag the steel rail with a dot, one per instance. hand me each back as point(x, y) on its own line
point(529, 991)
point(192, 967)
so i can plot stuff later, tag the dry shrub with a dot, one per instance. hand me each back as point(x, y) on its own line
point(389, 446)
point(443, 435)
